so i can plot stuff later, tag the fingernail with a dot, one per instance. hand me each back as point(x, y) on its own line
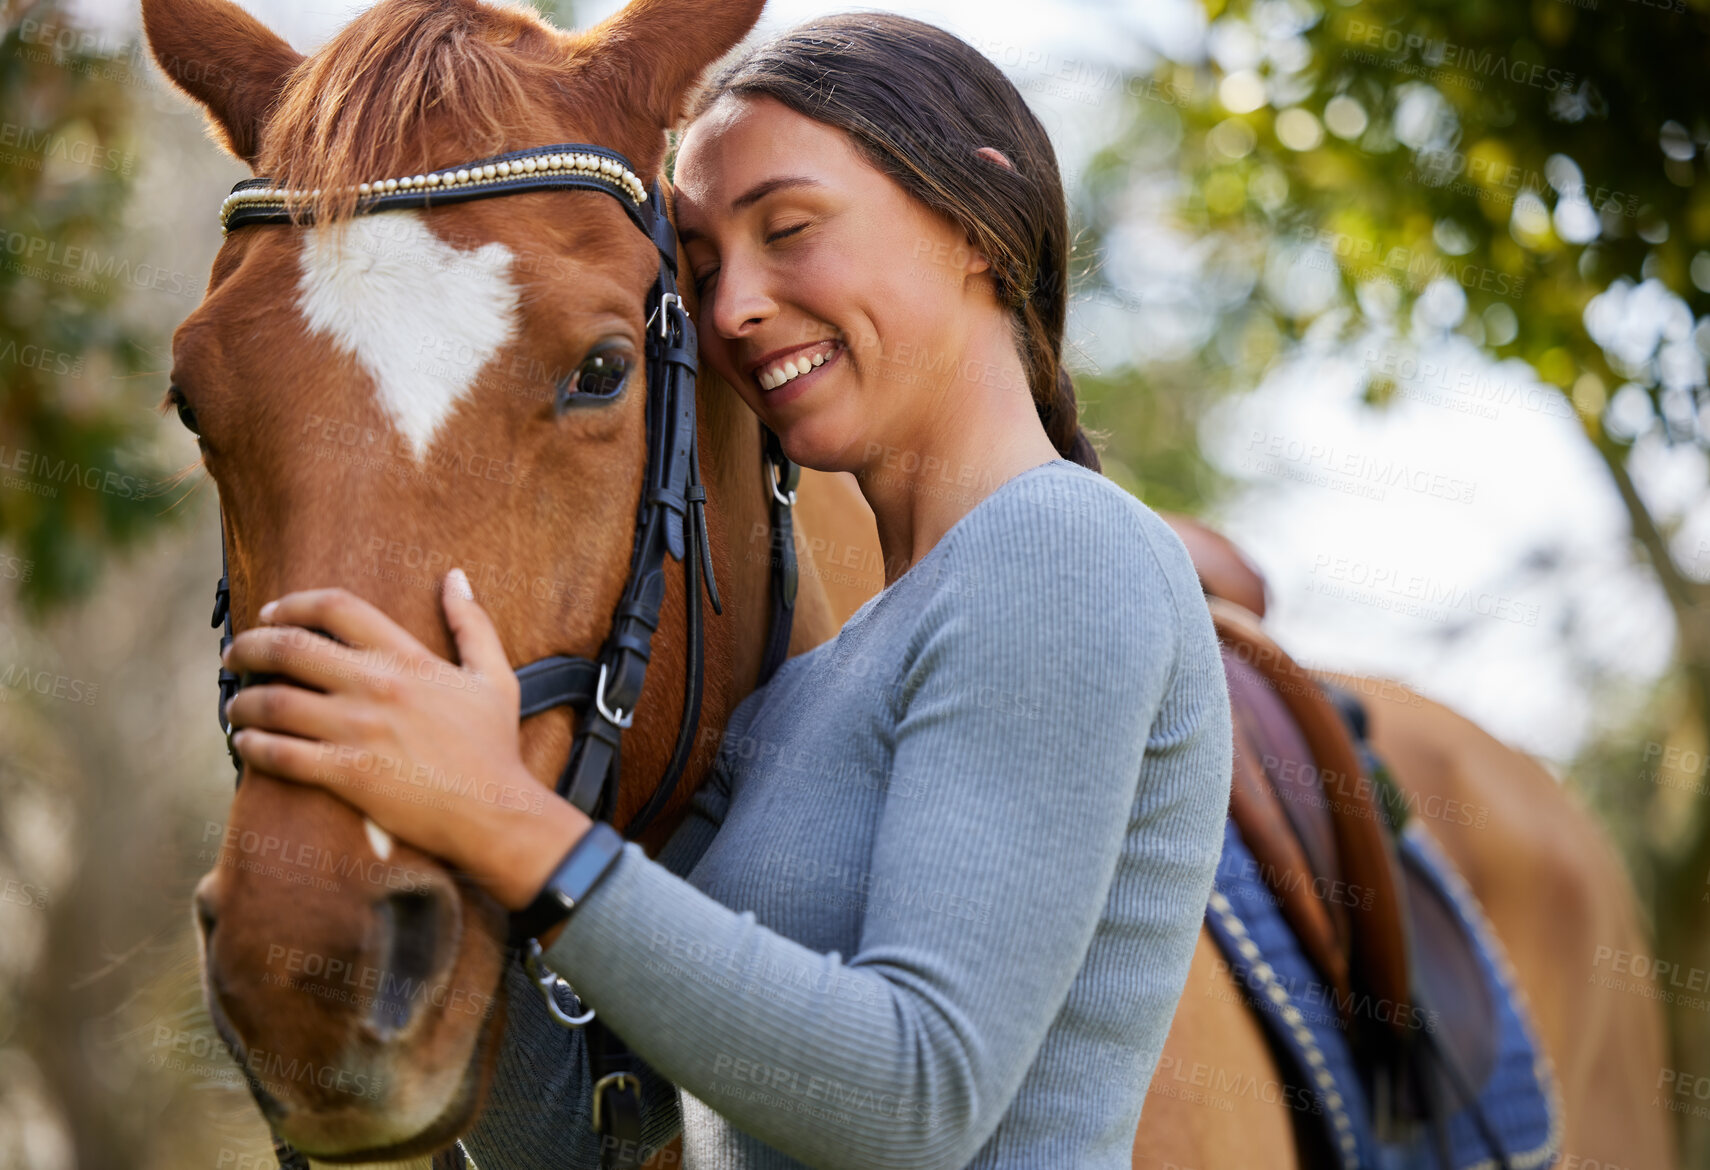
point(460, 585)
point(268, 610)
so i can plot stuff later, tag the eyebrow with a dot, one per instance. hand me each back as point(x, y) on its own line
point(753, 195)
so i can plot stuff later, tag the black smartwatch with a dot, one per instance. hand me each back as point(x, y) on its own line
point(589, 860)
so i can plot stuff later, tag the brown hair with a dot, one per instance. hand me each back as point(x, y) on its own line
point(918, 101)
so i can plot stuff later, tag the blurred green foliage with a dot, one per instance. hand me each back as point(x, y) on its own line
point(1530, 155)
point(1146, 427)
point(73, 483)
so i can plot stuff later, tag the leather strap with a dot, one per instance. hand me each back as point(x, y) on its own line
point(248, 214)
point(290, 1158)
point(1284, 866)
point(555, 682)
point(617, 1113)
point(229, 681)
point(785, 573)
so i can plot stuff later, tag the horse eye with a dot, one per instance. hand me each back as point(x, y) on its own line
point(599, 378)
point(186, 414)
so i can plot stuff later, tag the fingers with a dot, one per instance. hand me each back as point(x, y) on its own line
point(347, 617)
point(478, 643)
point(284, 756)
point(308, 658)
point(321, 765)
point(280, 707)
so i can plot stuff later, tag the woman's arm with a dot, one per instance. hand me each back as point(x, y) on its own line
point(537, 1112)
point(908, 1053)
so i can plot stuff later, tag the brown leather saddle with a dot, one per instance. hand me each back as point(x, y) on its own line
point(1308, 797)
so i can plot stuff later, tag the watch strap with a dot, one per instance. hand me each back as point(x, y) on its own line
point(589, 860)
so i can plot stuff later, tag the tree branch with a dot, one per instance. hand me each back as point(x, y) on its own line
point(1686, 596)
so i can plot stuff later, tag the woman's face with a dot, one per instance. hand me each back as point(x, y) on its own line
point(836, 304)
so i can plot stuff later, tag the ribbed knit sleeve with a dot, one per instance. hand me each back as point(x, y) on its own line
point(1031, 683)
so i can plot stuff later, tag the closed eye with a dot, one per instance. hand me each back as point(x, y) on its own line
point(704, 278)
point(186, 413)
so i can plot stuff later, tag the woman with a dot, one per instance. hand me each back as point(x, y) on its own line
point(937, 903)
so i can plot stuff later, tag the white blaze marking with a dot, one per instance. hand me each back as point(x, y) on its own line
point(420, 316)
point(379, 838)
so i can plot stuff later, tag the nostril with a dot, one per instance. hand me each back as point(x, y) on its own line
point(410, 932)
point(205, 916)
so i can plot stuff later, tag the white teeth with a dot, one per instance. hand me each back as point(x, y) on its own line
point(790, 369)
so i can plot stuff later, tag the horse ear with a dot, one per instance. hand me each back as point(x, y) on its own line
point(662, 46)
point(225, 60)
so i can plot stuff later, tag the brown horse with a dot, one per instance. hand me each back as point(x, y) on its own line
point(373, 433)
point(370, 402)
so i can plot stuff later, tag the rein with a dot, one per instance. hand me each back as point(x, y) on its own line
point(670, 520)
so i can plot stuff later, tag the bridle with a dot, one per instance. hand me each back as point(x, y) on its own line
point(671, 519)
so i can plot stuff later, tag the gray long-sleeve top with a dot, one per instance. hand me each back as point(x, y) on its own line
point(936, 903)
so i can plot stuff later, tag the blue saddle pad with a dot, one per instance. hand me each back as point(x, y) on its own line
point(1520, 1100)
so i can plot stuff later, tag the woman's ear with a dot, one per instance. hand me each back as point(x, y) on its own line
point(978, 260)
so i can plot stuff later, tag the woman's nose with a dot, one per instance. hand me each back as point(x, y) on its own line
point(739, 303)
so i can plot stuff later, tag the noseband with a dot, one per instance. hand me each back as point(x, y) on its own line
point(671, 518)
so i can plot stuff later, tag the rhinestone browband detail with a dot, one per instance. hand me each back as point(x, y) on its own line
point(546, 162)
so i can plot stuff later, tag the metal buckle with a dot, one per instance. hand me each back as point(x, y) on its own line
point(616, 1080)
point(618, 717)
point(659, 311)
point(774, 480)
point(545, 979)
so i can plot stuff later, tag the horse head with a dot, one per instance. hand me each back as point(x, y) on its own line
point(381, 397)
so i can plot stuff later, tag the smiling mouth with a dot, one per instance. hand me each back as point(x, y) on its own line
point(780, 371)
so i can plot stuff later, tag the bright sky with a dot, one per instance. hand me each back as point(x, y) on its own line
point(1358, 582)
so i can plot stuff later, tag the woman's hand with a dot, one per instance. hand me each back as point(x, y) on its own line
point(429, 750)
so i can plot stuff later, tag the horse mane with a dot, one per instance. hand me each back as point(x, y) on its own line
point(404, 84)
